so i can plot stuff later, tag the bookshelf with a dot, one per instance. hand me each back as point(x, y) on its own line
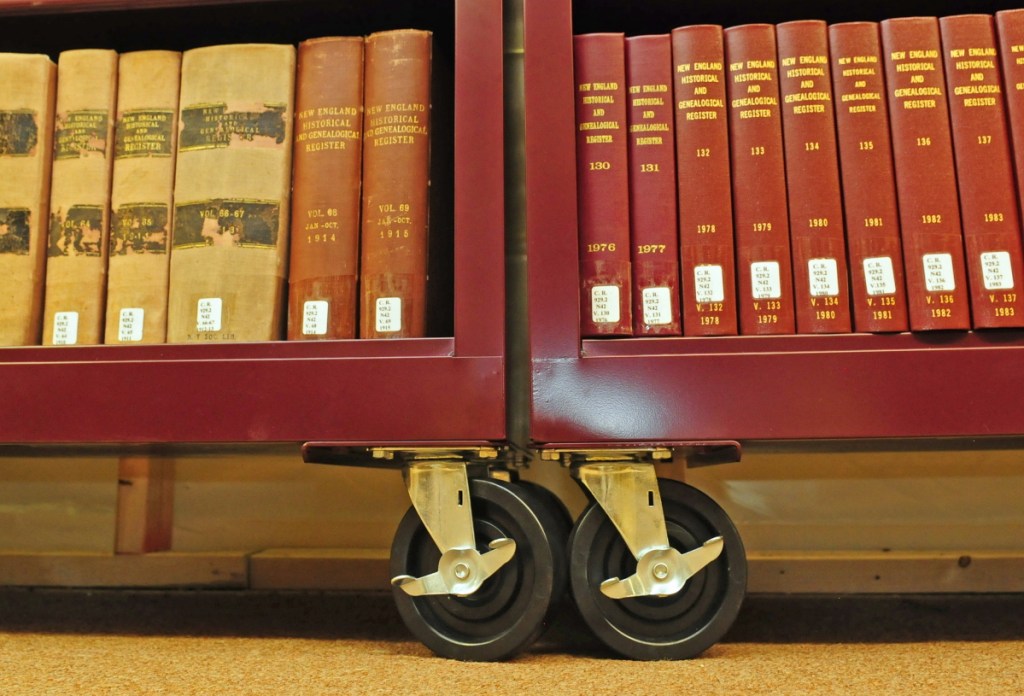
point(620, 392)
point(446, 388)
point(611, 408)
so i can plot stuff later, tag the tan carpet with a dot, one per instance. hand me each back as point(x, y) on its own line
point(120, 642)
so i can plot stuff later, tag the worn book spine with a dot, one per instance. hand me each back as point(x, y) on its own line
point(654, 248)
point(816, 227)
point(984, 165)
point(707, 254)
point(141, 197)
point(925, 176)
point(602, 182)
point(760, 209)
point(26, 144)
point(231, 194)
point(326, 176)
point(79, 225)
point(878, 291)
point(396, 184)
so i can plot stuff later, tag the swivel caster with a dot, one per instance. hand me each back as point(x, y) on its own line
point(474, 577)
point(646, 599)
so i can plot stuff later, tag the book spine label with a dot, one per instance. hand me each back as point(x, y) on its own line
point(26, 144)
point(878, 289)
point(602, 178)
point(817, 235)
point(654, 248)
point(322, 302)
point(707, 254)
point(925, 175)
point(760, 208)
point(80, 197)
point(142, 190)
point(231, 197)
point(396, 180)
point(988, 195)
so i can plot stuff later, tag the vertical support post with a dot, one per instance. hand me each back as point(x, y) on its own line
point(145, 504)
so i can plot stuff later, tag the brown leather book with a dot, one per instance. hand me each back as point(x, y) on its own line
point(984, 165)
point(925, 176)
point(1010, 37)
point(877, 287)
point(396, 180)
point(654, 249)
point(602, 183)
point(231, 194)
point(26, 144)
point(707, 254)
point(326, 164)
point(76, 265)
point(816, 228)
point(760, 210)
point(141, 197)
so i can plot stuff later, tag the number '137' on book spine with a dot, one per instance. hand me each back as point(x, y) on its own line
point(981, 144)
point(602, 182)
point(396, 179)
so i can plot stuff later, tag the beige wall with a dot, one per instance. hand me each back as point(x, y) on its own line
point(930, 501)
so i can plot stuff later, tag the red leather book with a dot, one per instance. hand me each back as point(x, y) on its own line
point(877, 288)
point(654, 251)
point(760, 210)
point(602, 180)
point(326, 163)
point(821, 286)
point(988, 196)
point(707, 254)
point(925, 176)
point(1010, 36)
point(396, 184)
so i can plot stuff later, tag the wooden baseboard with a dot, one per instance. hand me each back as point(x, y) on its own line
point(164, 569)
point(861, 572)
point(869, 572)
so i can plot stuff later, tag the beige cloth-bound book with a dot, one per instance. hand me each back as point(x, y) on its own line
point(76, 264)
point(141, 198)
point(231, 197)
point(26, 141)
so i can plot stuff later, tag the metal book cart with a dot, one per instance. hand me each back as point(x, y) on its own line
point(657, 569)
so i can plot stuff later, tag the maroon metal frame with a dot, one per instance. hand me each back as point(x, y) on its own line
point(664, 391)
point(431, 391)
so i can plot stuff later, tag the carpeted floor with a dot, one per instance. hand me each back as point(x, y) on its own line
point(128, 642)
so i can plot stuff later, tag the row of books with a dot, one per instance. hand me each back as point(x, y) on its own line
point(160, 196)
point(802, 177)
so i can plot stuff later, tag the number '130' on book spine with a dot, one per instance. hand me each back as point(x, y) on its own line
point(602, 182)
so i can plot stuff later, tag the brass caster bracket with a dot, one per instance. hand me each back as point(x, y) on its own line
point(628, 493)
point(439, 491)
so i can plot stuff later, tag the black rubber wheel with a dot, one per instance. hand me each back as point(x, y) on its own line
point(557, 522)
point(508, 612)
point(677, 627)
